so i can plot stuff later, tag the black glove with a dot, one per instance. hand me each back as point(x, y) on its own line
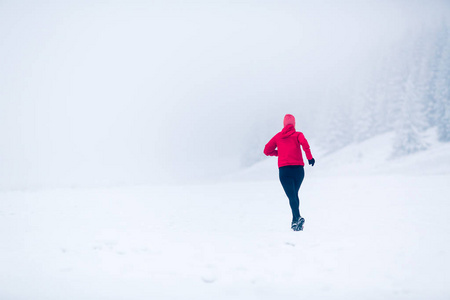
point(312, 161)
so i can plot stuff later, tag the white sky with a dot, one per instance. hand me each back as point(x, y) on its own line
point(128, 92)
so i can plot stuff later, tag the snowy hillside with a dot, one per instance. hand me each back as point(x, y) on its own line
point(373, 156)
point(368, 235)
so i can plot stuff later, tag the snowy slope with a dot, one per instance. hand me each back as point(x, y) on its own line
point(375, 156)
point(371, 157)
point(368, 235)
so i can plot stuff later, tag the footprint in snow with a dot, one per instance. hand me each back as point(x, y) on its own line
point(209, 275)
point(209, 279)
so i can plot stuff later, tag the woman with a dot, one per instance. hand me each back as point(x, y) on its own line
point(286, 145)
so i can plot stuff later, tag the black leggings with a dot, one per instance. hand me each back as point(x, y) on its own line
point(291, 178)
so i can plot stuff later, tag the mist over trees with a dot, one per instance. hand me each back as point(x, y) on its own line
point(407, 91)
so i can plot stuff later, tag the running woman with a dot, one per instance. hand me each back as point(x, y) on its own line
point(286, 145)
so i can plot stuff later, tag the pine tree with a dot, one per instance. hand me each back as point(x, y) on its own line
point(395, 75)
point(442, 92)
point(408, 137)
point(423, 62)
point(365, 123)
point(339, 131)
point(335, 121)
point(437, 44)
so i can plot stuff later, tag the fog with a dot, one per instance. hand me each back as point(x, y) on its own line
point(127, 92)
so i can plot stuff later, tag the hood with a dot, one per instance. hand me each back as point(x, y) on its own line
point(289, 119)
point(287, 131)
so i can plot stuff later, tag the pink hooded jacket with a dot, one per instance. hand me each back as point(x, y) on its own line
point(286, 145)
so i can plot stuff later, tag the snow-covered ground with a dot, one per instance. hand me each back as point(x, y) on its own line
point(371, 232)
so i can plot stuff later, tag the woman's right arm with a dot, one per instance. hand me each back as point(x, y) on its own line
point(305, 146)
point(269, 150)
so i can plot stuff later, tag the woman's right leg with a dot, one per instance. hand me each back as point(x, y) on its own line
point(299, 176)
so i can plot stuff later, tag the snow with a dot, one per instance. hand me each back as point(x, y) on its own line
point(371, 157)
point(371, 232)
